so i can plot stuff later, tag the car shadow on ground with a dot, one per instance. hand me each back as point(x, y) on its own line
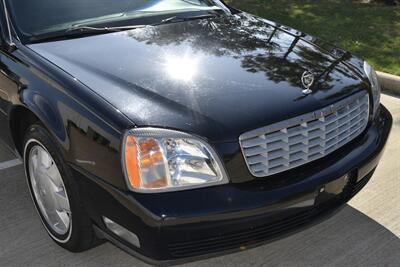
point(349, 238)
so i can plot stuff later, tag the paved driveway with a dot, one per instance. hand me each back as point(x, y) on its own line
point(365, 233)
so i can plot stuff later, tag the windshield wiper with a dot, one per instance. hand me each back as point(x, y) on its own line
point(180, 19)
point(82, 30)
point(79, 31)
point(88, 29)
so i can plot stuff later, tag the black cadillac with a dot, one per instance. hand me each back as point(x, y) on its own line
point(181, 128)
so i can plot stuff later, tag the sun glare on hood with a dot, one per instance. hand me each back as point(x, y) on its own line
point(181, 68)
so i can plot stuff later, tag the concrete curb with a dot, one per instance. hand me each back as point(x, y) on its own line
point(390, 83)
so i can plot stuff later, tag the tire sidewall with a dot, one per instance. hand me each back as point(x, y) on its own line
point(80, 235)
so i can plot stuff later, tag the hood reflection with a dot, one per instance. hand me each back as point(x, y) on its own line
point(181, 68)
point(280, 53)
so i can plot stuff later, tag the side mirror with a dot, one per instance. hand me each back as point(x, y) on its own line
point(9, 46)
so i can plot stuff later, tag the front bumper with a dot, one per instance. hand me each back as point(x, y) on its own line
point(183, 225)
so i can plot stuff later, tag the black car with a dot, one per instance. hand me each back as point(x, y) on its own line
point(181, 128)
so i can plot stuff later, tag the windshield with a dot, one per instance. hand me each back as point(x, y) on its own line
point(44, 16)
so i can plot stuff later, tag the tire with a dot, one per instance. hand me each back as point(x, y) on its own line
point(73, 229)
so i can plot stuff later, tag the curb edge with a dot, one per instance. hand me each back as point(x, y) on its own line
point(390, 83)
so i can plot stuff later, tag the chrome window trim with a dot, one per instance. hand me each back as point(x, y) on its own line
point(7, 18)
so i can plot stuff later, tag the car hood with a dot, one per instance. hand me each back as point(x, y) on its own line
point(217, 78)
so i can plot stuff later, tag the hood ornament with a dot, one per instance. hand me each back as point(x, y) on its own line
point(307, 80)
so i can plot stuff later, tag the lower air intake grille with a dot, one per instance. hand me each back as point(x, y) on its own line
point(298, 141)
point(239, 239)
point(255, 235)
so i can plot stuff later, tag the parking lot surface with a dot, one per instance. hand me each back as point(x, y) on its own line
point(365, 233)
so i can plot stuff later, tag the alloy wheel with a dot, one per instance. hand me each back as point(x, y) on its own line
point(49, 190)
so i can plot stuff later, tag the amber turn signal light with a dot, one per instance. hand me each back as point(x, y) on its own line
point(131, 162)
point(144, 163)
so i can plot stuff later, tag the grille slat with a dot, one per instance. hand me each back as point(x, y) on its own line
point(297, 141)
point(197, 247)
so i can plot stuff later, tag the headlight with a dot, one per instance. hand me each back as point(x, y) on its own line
point(158, 160)
point(375, 86)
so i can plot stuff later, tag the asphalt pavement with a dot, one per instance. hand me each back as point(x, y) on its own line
point(365, 233)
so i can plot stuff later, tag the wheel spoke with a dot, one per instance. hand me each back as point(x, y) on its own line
point(43, 209)
point(63, 221)
point(54, 175)
point(34, 161)
point(62, 201)
point(44, 158)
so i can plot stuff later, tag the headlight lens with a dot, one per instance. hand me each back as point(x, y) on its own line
point(375, 86)
point(158, 160)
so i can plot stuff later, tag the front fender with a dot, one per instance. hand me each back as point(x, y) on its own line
point(87, 128)
point(48, 114)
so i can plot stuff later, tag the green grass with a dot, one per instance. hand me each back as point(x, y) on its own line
point(371, 31)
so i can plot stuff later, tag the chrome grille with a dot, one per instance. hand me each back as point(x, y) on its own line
point(288, 144)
